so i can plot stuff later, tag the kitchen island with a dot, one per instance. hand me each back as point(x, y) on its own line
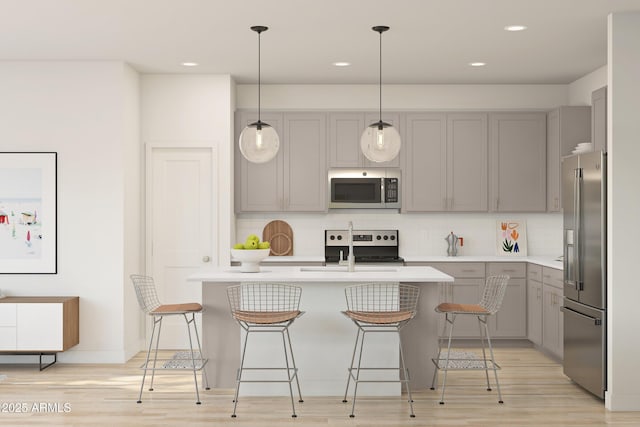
point(322, 338)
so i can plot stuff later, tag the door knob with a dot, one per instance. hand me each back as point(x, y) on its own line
point(206, 259)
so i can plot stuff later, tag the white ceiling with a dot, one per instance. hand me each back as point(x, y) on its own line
point(430, 41)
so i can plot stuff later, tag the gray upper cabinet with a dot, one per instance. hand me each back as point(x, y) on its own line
point(425, 174)
point(467, 150)
point(259, 186)
point(345, 130)
point(517, 162)
point(445, 162)
point(566, 127)
point(305, 170)
point(295, 180)
point(599, 119)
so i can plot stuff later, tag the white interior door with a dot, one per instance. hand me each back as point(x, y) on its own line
point(181, 213)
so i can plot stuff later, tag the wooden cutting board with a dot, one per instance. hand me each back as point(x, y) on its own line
point(280, 235)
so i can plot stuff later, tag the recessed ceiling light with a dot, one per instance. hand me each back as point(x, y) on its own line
point(515, 28)
point(342, 64)
point(190, 64)
point(477, 64)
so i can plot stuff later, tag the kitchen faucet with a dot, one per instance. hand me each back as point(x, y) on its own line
point(351, 260)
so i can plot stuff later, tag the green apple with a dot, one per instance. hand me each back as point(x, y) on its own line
point(264, 245)
point(253, 237)
point(251, 244)
point(238, 246)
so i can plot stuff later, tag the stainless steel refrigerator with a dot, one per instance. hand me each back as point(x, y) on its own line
point(584, 198)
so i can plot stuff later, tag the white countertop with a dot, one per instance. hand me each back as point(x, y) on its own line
point(283, 274)
point(546, 261)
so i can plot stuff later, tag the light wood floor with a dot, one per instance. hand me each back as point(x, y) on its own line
point(534, 390)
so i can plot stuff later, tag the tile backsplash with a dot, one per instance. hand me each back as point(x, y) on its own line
point(420, 234)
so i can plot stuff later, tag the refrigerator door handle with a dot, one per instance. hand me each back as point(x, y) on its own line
point(596, 321)
point(577, 200)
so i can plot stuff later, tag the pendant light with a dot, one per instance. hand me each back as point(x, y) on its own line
point(380, 142)
point(259, 141)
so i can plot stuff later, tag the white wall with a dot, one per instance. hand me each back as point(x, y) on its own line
point(403, 97)
point(195, 111)
point(581, 89)
point(623, 291)
point(83, 111)
point(420, 234)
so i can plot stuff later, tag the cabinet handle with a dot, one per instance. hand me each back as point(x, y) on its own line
point(556, 205)
point(468, 270)
point(497, 203)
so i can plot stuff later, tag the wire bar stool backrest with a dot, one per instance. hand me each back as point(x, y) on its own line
point(264, 297)
point(493, 293)
point(382, 297)
point(145, 292)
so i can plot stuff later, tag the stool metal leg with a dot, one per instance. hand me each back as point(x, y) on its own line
point(406, 376)
point(434, 380)
point(204, 372)
point(356, 379)
point(353, 358)
point(295, 368)
point(239, 374)
point(146, 363)
point(446, 368)
point(484, 355)
point(286, 361)
point(193, 360)
point(493, 362)
point(155, 357)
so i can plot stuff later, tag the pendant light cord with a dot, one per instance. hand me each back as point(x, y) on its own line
point(259, 83)
point(380, 85)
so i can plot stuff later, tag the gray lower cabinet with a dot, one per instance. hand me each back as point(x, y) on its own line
point(517, 162)
point(445, 162)
point(599, 119)
point(345, 130)
point(295, 180)
point(511, 320)
point(566, 127)
point(534, 304)
point(552, 319)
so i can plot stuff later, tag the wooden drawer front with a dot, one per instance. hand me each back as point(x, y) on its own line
point(8, 315)
point(512, 269)
point(461, 269)
point(534, 272)
point(552, 277)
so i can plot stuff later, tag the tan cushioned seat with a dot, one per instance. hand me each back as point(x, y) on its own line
point(379, 317)
point(448, 307)
point(190, 307)
point(265, 317)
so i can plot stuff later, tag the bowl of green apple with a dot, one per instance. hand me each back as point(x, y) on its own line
point(251, 253)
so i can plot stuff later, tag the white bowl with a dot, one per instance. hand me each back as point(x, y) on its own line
point(250, 258)
point(584, 144)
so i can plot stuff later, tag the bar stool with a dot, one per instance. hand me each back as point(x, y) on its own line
point(492, 295)
point(266, 307)
point(149, 303)
point(379, 307)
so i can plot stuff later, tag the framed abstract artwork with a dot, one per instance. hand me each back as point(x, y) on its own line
point(28, 213)
point(511, 237)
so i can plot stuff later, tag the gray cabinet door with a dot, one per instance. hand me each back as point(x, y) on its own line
point(534, 311)
point(511, 320)
point(305, 171)
point(259, 185)
point(467, 151)
point(599, 119)
point(552, 330)
point(425, 149)
point(518, 162)
point(345, 130)
point(566, 127)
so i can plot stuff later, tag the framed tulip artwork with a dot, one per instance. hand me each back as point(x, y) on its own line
point(28, 210)
point(511, 237)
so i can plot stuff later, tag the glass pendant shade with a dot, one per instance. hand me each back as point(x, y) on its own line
point(380, 142)
point(259, 142)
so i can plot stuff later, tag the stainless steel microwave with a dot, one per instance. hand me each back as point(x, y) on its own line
point(376, 188)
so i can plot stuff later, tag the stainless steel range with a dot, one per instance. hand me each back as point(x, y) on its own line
point(369, 246)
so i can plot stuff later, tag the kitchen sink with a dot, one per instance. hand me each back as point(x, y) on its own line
point(344, 268)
